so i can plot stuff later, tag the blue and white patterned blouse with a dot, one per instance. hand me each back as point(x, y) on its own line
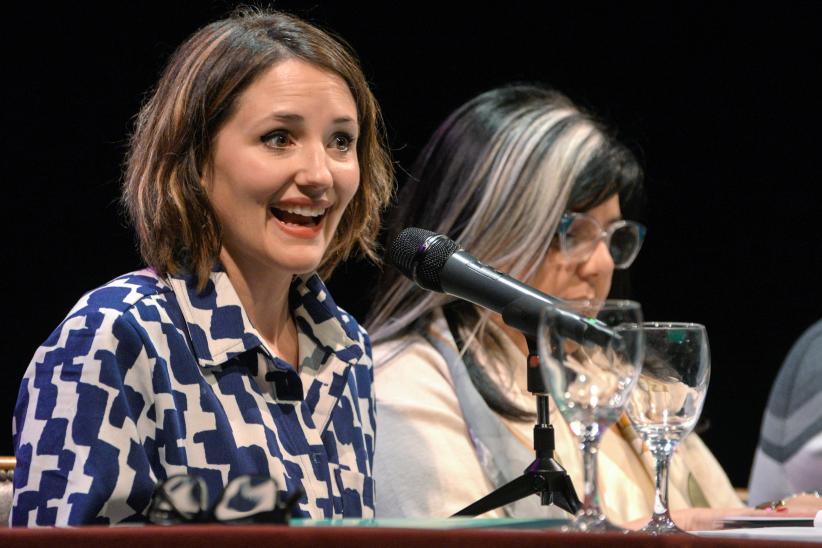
point(146, 378)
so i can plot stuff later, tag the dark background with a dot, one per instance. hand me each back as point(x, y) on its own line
point(721, 103)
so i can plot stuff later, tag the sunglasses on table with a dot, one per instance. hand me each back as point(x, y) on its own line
point(244, 499)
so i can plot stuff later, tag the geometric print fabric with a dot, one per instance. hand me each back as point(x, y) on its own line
point(147, 378)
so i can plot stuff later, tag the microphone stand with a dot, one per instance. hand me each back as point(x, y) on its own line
point(544, 476)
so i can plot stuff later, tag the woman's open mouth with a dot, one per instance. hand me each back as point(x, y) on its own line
point(299, 215)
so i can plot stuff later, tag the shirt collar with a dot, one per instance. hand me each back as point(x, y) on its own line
point(220, 328)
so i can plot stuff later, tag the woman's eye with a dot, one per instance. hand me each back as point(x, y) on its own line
point(276, 139)
point(342, 142)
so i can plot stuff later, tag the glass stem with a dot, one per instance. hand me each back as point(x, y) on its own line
point(590, 503)
point(661, 513)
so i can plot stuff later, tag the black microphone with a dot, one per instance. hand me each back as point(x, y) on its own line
point(437, 263)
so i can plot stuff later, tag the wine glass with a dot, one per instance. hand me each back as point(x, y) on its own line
point(667, 400)
point(591, 384)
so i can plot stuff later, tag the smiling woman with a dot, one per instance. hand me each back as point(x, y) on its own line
point(281, 180)
point(258, 161)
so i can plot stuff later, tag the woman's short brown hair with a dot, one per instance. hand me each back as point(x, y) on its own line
point(172, 144)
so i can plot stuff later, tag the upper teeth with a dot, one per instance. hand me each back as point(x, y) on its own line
point(305, 211)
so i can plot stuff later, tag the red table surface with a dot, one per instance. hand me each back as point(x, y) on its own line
point(214, 536)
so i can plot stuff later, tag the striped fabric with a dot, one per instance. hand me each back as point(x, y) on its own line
point(789, 457)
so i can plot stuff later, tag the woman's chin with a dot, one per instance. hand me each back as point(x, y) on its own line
point(296, 257)
point(298, 267)
point(276, 259)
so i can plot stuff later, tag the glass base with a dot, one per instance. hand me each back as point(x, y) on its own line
point(592, 522)
point(662, 525)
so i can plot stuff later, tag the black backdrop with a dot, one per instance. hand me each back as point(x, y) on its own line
point(720, 103)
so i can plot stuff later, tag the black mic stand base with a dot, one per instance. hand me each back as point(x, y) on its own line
point(547, 479)
point(544, 476)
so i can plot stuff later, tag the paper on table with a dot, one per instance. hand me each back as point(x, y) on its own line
point(772, 521)
point(813, 534)
point(765, 529)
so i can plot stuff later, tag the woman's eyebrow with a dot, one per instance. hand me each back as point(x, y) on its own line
point(288, 117)
point(294, 118)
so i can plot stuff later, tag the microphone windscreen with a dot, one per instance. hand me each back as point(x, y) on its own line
point(421, 255)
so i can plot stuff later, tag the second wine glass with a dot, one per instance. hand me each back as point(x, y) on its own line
point(590, 385)
point(667, 400)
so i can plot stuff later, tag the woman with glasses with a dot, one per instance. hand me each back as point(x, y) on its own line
point(256, 163)
point(532, 185)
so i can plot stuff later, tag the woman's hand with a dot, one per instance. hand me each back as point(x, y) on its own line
point(799, 504)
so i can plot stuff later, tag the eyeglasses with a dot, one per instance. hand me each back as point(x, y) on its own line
point(579, 235)
point(245, 499)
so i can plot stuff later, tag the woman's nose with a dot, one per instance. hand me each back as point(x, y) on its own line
point(313, 174)
point(600, 263)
